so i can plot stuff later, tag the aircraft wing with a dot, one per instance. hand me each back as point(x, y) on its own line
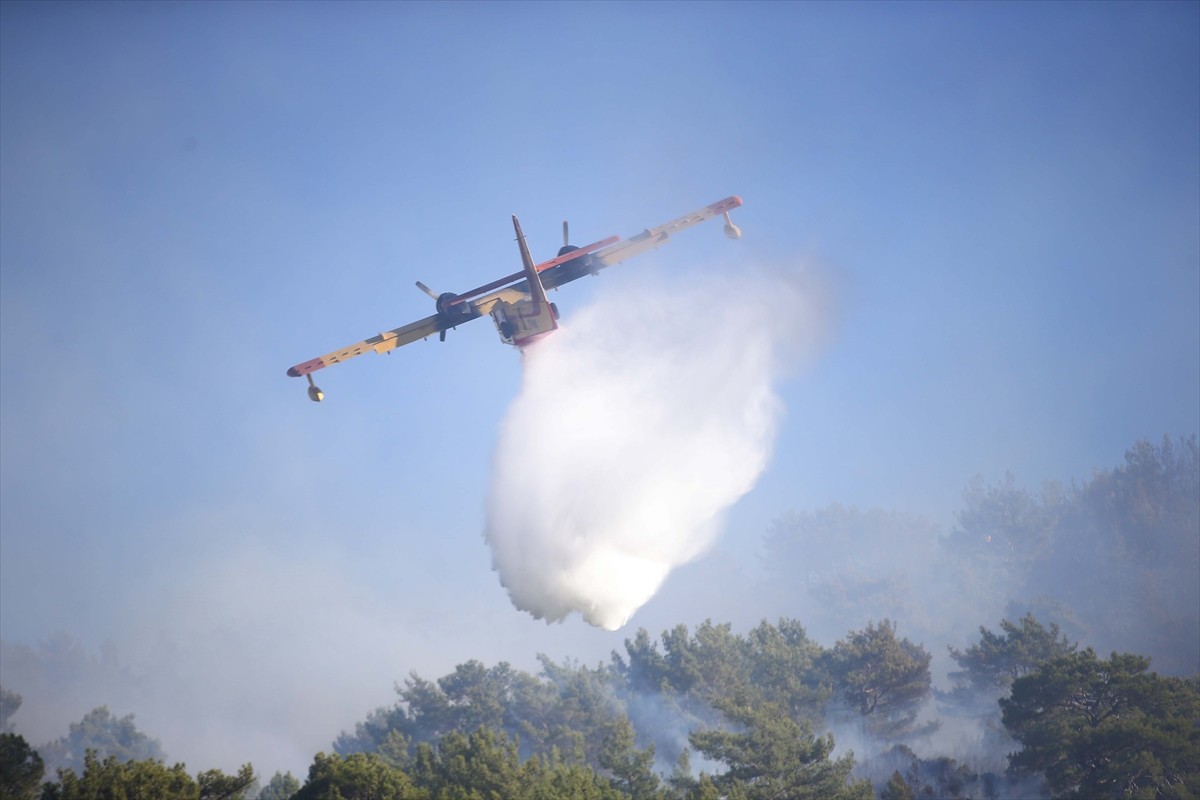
point(380, 343)
point(550, 274)
point(512, 294)
point(406, 334)
point(656, 237)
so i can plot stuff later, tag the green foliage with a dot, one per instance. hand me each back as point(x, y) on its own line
point(551, 778)
point(1117, 555)
point(281, 787)
point(680, 781)
point(1114, 557)
point(1123, 555)
point(883, 678)
point(775, 756)
point(396, 750)
point(1146, 502)
point(21, 768)
point(470, 697)
point(990, 667)
point(572, 716)
point(106, 735)
point(578, 708)
point(772, 664)
point(481, 765)
point(646, 670)
point(783, 668)
point(359, 776)
point(941, 777)
point(216, 785)
point(632, 769)
point(673, 688)
point(944, 778)
point(1106, 728)
point(113, 779)
point(678, 689)
point(569, 709)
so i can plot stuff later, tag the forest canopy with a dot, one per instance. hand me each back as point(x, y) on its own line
point(1027, 708)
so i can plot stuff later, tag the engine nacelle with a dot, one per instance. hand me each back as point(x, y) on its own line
point(315, 394)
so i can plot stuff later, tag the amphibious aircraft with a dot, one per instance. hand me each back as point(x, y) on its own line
point(517, 303)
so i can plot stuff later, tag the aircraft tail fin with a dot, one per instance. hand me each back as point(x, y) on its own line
point(537, 315)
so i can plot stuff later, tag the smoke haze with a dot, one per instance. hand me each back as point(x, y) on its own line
point(645, 417)
point(195, 196)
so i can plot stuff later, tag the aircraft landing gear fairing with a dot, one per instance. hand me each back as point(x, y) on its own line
point(314, 392)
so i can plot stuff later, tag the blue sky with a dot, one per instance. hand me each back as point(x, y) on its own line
point(193, 197)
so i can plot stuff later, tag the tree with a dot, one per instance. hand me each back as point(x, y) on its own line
point(476, 696)
point(567, 707)
point(551, 778)
point(216, 785)
point(1150, 509)
point(990, 667)
point(1123, 555)
point(1106, 728)
point(581, 709)
point(632, 769)
point(901, 773)
point(1151, 503)
point(680, 781)
point(881, 677)
point(358, 776)
point(106, 735)
point(112, 778)
point(897, 789)
point(369, 735)
point(665, 693)
point(280, 787)
point(1007, 525)
point(21, 768)
point(775, 756)
point(783, 668)
point(943, 778)
point(483, 763)
point(646, 670)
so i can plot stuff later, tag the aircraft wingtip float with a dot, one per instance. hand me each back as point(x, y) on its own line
point(517, 303)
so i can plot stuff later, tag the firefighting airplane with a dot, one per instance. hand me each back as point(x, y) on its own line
point(517, 303)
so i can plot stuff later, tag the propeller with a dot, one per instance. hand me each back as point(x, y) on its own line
point(443, 302)
point(566, 246)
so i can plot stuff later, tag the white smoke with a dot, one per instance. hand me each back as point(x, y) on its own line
point(645, 417)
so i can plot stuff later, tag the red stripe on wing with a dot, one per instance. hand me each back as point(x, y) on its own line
point(308, 366)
